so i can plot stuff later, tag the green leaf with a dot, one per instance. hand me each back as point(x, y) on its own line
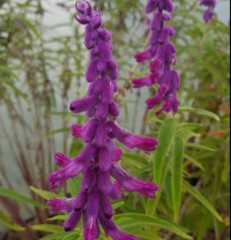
point(226, 170)
point(159, 163)
point(74, 185)
point(190, 189)
point(44, 194)
point(58, 217)
point(7, 223)
point(199, 111)
point(117, 204)
point(176, 179)
point(47, 228)
point(199, 146)
point(138, 221)
point(165, 139)
point(19, 197)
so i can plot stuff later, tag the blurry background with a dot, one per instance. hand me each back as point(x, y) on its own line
point(42, 65)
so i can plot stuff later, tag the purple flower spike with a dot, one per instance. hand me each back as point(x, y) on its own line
point(161, 54)
point(209, 12)
point(99, 158)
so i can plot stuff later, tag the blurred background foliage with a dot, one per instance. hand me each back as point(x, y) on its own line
point(42, 68)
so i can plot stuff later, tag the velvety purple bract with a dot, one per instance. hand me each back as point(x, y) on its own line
point(98, 160)
point(161, 54)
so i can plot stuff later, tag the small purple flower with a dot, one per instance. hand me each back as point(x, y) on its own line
point(161, 54)
point(209, 12)
point(98, 160)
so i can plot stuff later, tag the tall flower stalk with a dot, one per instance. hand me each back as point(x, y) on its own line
point(161, 54)
point(99, 159)
point(209, 12)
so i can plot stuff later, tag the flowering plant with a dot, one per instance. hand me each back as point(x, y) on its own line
point(98, 161)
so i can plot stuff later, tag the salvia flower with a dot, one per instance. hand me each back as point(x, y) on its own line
point(102, 177)
point(161, 55)
point(209, 12)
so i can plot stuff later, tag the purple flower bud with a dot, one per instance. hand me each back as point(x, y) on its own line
point(81, 105)
point(77, 130)
point(91, 230)
point(105, 159)
point(89, 179)
point(92, 71)
point(90, 129)
point(79, 201)
point(143, 56)
point(70, 224)
point(131, 184)
point(96, 20)
point(208, 15)
point(102, 66)
point(152, 102)
point(154, 66)
point(104, 34)
point(114, 109)
point(141, 82)
point(102, 111)
point(61, 205)
point(101, 137)
point(168, 6)
point(83, 7)
point(116, 191)
point(59, 177)
point(131, 140)
point(118, 154)
point(104, 182)
point(61, 160)
point(105, 50)
point(151, 5)
point(89, 41)
point(106, 207)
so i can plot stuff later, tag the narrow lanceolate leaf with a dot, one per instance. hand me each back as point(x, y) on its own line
point(190, 189)
point(202, 112)
point(19, 197)
point(165, 139)
point(44, 194)
point(176, 179)
point(5, 221)
point(160, 165)
point(226, 170)
point(48, 228)
point(138, 221)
